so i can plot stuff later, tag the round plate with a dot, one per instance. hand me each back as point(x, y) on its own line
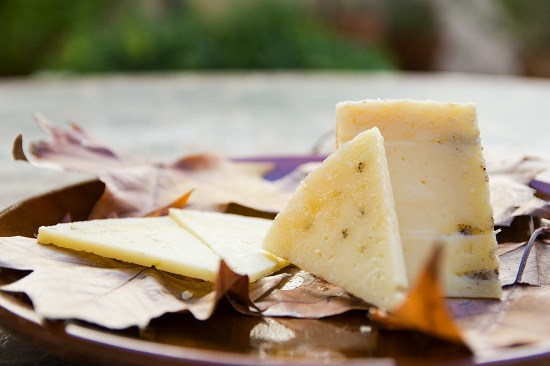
point(228, 338)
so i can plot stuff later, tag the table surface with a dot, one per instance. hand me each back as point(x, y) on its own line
point(164, 116)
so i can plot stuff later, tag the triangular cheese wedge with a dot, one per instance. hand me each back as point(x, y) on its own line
point(440, 186)
point(341, 224)
point(236, 239)
point(153, 241)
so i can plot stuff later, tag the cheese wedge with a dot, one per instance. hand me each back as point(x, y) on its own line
point(439, 183)
point(235, 238)
point(158, 242)
point(340, 224)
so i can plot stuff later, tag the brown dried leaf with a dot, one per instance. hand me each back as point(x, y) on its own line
point(178, 203)
point(135, 187)
point(425, 309)
point(484, 325)
point(520, 318)
point(511, 175)
point(303, 295)
point(65, 284)
point(510, 262)
point(229, 284)
point(535, 269)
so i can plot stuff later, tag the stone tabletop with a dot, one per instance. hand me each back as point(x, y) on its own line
point(165, 116)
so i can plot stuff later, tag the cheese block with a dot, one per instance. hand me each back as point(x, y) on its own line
point(340, 224)
point(235, 238)
point(153, 241)
point(439, 183)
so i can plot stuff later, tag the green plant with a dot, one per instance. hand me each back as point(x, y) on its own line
point(101, 36)
point(528, 21)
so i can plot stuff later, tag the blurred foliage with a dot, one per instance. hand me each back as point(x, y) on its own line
point(126, 35)
point(411, 16)
point(528, 21)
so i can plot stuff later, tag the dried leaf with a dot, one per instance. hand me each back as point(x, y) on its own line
point(511, 199)
point(304, 295)
point(534, 271)
point(509, 264)
point(229, 284)
point(510, 176)
point(65, 284)
point(484, 325)
point(425, 309)
point(520, 318)
point(178, 203)
point(135, 187)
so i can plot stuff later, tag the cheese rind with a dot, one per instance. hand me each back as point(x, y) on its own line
point(153, 241)
point(236, 239)
point(439, 183)
point(341, 225)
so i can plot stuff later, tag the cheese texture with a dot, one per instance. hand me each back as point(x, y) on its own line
point(439, 183)
point(236, 239)
point(340, 224)
point(158, 242)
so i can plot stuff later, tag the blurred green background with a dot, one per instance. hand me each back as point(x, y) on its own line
point(129, 35)
point(45, 36)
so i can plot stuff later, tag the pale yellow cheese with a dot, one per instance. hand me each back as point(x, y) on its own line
point(158, 242)
point(341, 224)
point(237, 239)
point(439, 184)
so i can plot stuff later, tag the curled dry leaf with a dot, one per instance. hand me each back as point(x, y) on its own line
point(135, 187)
point(181, 202)
point(66, 284)
point(425, 309)
point(515, 186)
point(70, 285)
point(304, 295)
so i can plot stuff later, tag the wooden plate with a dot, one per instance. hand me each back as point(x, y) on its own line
point(228, 338)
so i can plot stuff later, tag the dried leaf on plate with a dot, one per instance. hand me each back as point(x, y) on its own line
point(425, 309)
point(510, 262)
point(510, 176)
point(66, 284)
point(511, 199)
point(229, 284)
point(70, 285)
point(136, 187)
point(520, 318)
point(180, 202)
point(304, 295)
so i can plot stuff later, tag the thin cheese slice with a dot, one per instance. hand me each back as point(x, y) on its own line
point(341, 224)
point(158, 242)
point(235, 238)
point(439, 183)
